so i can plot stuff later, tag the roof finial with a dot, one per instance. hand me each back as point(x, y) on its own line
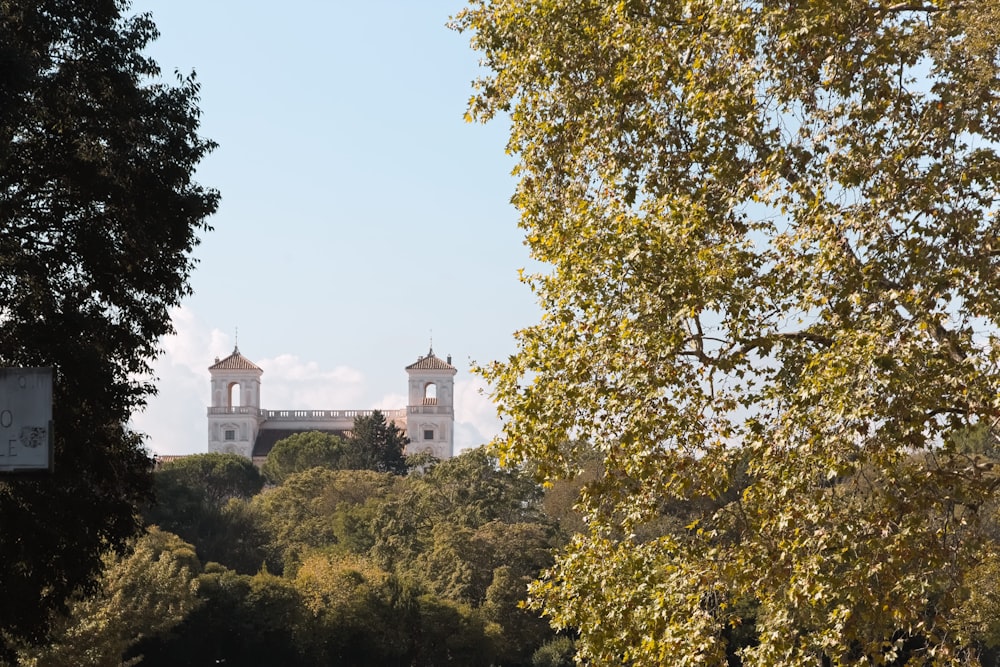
point(430, 353)
point(236, 344)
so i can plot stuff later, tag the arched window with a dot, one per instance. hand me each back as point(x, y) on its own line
point(234, 394)
point(430, 394)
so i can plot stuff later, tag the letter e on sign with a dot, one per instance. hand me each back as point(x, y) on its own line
point(25, 420)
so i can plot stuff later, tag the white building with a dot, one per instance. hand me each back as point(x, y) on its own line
point(237, 424)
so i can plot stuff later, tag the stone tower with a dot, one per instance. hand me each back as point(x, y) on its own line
point(234, 415)
point(430, 413)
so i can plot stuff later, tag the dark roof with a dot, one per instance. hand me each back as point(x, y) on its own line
point(267, 438)
point(430, 362)
point(235, 362)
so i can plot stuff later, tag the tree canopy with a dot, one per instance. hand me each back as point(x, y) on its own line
point(98, 218)
point(302, 451)
point(372, 444)
point(212, 478)
point(368, 568)
point(140, 595)
point(771, 249)
point(375, 444)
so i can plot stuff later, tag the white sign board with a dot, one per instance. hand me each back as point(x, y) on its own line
point(25, 419)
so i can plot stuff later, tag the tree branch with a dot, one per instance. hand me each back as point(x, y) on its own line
point(759, 341)
point(912, 7)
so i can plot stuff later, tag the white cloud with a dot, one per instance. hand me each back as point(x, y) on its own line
point(476, 420)
point(302, 385)
point(390, 402)
point(175, 418)
point(192, 346)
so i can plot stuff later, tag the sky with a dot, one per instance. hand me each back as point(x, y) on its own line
point(360, 214)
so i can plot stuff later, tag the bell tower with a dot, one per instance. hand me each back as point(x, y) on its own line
point(234, 415)
point(430, 413)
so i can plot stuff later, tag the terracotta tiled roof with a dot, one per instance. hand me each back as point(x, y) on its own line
point(430, 362)
point(235, 362)
point(160, 459)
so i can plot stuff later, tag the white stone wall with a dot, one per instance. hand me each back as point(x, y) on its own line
point(431, 413)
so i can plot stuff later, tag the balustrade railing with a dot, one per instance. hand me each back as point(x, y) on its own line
point(319, 415)
point(233, 410)
point(306, 415)
point(430, 409)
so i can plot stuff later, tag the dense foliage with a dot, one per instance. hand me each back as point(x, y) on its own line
point(300, 452)
point(358, 567)
point(98, 218)
point(332, 567)
point(376, 444)
point(147, 592)
point(203, 500)
point(373, 443)
point(771, 241)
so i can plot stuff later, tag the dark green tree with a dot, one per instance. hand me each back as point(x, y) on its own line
point(474, 534)
point(472, 489)
point(556, 653)
point(213, 478)
point(376, 444)
point(98, 218)
point(451, 633)
point(242, 620)
point(302, 451)
point(203, 498)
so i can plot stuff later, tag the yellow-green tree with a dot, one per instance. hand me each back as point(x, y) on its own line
point(771, 249)
point(141, 595)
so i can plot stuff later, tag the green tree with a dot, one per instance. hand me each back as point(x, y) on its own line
point(465, 492)
point(363, 613)
point(143, 594)
point(204, 499)
point(375, 444)
point(472, 534)
point(461, 563)
point(451, 633)
point(236, 535)
point(98, 218)
point(523, 631)
point(770, 234)
point(242, 620)
point(321, 509)
point(556, 653)
point(978, 439)
point(367, 616)
point(473, 489)
point(212, 478)
point(302, 451)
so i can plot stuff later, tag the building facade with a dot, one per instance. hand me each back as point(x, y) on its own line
point(237, 423)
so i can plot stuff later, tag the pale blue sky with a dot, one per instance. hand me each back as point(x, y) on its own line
point(359, 211)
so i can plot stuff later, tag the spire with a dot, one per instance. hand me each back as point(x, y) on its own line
point(236, 341)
